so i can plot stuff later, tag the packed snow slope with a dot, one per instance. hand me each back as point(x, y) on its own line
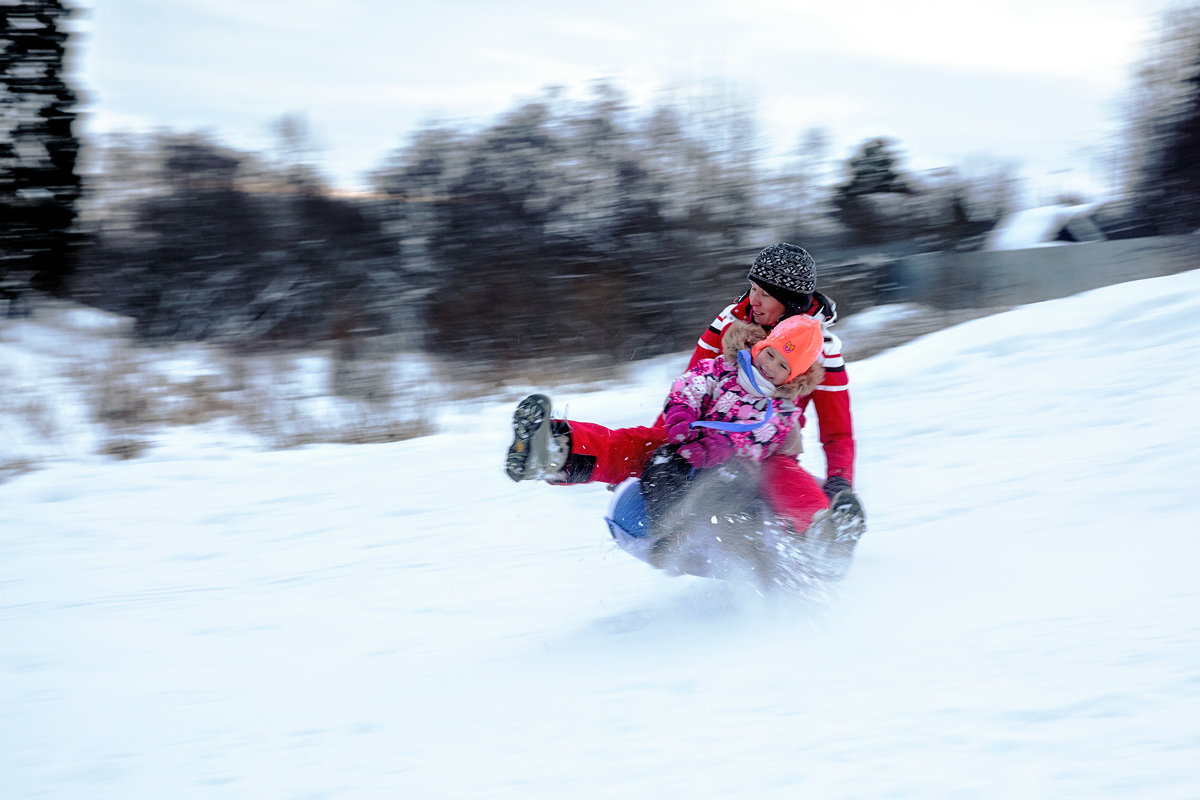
point(402, 621)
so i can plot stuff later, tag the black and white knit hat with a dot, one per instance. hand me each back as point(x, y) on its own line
point(785, 271)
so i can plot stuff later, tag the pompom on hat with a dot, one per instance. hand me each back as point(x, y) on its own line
point(787, 272)
point(798, 339)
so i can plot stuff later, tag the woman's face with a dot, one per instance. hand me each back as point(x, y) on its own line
point(764, 309)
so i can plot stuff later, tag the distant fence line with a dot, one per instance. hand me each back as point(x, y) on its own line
point(986, 279)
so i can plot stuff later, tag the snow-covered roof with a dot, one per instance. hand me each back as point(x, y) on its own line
point(1035, 227)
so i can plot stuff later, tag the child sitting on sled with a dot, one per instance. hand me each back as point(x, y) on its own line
point(740, 406)
point(743, 405)
point(697, 507)
point(702, 511)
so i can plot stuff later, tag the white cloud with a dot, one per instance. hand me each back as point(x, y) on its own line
point(1060, 38)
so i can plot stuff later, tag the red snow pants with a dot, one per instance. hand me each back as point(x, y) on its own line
point(621, 453)
point(792, 492)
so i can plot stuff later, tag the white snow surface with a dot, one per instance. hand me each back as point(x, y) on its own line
point(402, 621)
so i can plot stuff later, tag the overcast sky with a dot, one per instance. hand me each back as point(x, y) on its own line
point(1036, 83)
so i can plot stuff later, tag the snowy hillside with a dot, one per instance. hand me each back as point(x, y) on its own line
point(401, 621)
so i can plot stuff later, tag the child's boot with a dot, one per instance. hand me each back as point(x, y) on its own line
point(538, 450)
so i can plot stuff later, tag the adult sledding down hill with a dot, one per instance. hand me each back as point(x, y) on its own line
point(700, 497)
point(782, 286)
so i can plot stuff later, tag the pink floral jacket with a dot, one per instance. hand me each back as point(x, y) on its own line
point(720, 390)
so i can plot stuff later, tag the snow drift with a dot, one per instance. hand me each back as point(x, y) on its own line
point(400, 620)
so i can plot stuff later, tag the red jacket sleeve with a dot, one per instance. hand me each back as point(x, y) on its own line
point(709, 345)
point(832, 403)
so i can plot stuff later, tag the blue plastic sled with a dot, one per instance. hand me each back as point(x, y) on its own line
point(626, 519)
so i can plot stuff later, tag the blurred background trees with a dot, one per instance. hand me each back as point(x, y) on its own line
point(39, 184)
point(565, 226)
point(198, 242)
point(865, 201)
point(1163, 170)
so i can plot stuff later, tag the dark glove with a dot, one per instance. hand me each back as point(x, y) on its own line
point(707, 451)
point(835, 484)
point(678, 420)
point(664, 481)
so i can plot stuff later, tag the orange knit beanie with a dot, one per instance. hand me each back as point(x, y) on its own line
point(798, 339)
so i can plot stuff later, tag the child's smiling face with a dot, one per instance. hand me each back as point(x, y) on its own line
point(771, 364)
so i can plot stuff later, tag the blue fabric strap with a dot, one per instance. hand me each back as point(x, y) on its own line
point(737, 427)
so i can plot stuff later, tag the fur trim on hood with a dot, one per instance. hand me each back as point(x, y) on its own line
point(741, 335)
